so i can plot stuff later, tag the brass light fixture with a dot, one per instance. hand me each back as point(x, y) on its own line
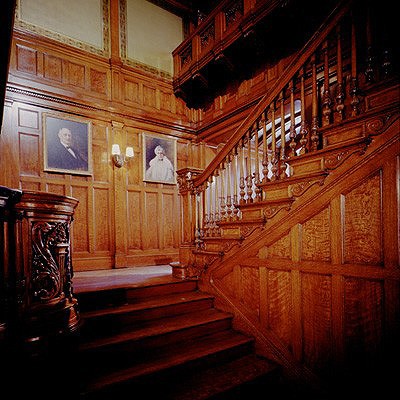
point(119, 159)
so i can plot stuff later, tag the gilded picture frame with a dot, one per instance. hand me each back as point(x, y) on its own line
point(67, 144)
point(159, 159)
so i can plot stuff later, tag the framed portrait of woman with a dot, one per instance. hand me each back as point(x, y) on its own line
point(159, 159)
point(67, 144)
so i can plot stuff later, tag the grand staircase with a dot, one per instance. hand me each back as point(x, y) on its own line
point(167, 341)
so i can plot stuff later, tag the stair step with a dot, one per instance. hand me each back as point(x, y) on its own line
point(121, 318)
point(210, 349)
point(241, 378)
point(186, 325)
point(93, 299)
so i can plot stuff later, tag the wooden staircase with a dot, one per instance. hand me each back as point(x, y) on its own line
point(168, 341)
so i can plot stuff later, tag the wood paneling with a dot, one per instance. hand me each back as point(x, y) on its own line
point(317, 320)
point(29, 152)
point(329, 294)
point(120, 220)
point(315, 237)
point(363, 223)
point(249, 289)
point(26, 60)
point(363, 319)
point(278, 304)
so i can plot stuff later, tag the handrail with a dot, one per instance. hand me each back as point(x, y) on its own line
point(306, 52)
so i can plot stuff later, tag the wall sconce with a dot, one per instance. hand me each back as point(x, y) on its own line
point(118, 159)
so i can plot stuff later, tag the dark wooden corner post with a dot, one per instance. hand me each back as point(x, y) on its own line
point(188, 214)
point(38, 304)
point(39, 313)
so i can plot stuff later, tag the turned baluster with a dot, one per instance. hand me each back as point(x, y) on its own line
point(241, 163)
point(235, 183)
point(339, 90)
point(282, 161)
point(326, 97)
point(355, 100)
point(292, 134)
point(217, 214)
point(314, 123)
point(257, 180)
point(249, 177)
point(265, 148)
point(274, 158)
point(303, 125)
point(229, 202)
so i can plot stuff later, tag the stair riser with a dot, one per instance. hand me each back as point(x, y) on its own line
point(115, 323)
point(160, 290)
point(123, 353)
point(97, 300)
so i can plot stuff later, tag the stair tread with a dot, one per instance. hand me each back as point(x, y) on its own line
point(153, 302)
point(150, 282)
point(172, 357)
point(222, 377)
point(163, 326)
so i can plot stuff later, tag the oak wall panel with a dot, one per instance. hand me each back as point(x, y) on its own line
point(55, 188)
point(82, 219)
point(28, 118)
point(101, 220)
point(281, 248)
point(135, 223)
point(279, 300)
point(26, 59)
point(52, 67)
point(363, 319)
point(29, 185)
point(151, 221)
point(249, 289)
point(131, 91)
point(317, 320)
point(363, 223)
point(315, 238)
point(29, 151)
point(169, 227)
point(98, 81)
point(149, 96)
point(75, 74)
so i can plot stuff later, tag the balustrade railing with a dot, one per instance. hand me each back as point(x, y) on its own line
point(320, 88)
point(215, 32)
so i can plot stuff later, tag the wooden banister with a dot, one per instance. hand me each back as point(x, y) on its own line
point(290, 71)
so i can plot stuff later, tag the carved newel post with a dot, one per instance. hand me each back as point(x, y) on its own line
point(187, 222)
point(44, 303)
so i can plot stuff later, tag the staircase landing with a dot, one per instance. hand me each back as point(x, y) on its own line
point(86, 281)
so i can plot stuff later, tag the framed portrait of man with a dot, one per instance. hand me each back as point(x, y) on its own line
point(67, 144)
point(159, 159)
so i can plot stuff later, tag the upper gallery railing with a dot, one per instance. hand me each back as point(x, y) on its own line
point(215, 33)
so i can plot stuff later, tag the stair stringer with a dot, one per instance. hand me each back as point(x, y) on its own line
point(346, 176)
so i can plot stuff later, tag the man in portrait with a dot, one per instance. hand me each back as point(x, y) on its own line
point(63, 153)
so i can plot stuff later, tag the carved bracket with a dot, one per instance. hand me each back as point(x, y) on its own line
point(50, 260)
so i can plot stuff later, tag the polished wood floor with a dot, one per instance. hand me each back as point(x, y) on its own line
point(85, 281)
